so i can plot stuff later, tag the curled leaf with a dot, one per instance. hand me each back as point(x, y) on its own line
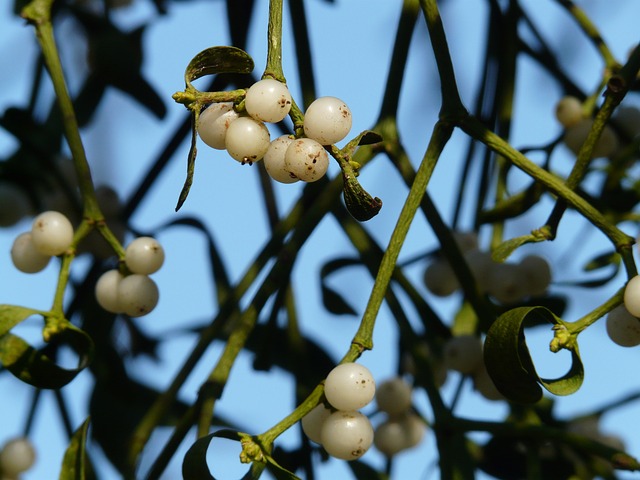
point(35, 367)
point(214, 60)
point(510, 365)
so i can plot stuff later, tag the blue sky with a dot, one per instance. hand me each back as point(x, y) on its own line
point(352, 43)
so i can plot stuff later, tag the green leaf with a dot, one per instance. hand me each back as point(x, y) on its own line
point(360, 204)
point(35, 367)
point(215, 60)
point(11, 315)
point(191, 162)
point(279, 472)
point(603, 260)
point(369, 137)
point(510, 365)
point(73, 464)
point(333, 301)
point(506, 248)
point(194, 464)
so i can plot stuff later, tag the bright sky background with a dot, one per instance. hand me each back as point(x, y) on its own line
point(352, 43)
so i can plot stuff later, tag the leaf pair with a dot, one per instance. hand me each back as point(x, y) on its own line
point(34, 366)
point(510, 365)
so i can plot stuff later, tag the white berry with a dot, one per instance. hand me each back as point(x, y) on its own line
point(274, 160)
point(632, 296)
point(312, 422)
point(107, 291)
point(463, 353)
point(306, 160)
point(52, 233)
point(268, 100)
point(576, 135)
point(346, 434)
point(439, 278)
point(137, 295)
point(394, 396)
point(569, 111)
point(247, 140)
point(506, 283)
point(25, 256)
point(537, 273)
point(144, 255)
point(349, 386)
point(17, 456)
point(399, 433)
point(327, 120)
point(214, 122)
point(623, 328)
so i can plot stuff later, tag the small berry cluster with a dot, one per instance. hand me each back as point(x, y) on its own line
point(51, 234)
point(343, 431)
point(402, 429)
point(571, 115)
point(16, 457)
point(506, 282)
point(134, 294)
point(286, 159)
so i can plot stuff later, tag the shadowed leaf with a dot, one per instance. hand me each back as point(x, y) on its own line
point(73, 464)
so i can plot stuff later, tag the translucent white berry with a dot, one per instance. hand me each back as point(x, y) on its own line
point(393, 396)
point(349, 386)
point(439, 278)
point(25, 256)
point(247, 140)
point(137, 295)
point(144, 255)
point(14, 204)
point(632, 296)
point(268, 100)
point(327, 120)
point(312, 422)
point(274, 160)
point(107, 291)
point(576, 135)
point(16, 457)
point(537, 273)
point(52, 233)
point(398, 434)
point(306, 160)
point(463, 353)
point(484, 385)
point(569, 111)
point(506, 283)
point(623, 328)
point(214, 122)
point(346, 434)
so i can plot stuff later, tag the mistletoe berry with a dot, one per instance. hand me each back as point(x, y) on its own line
point(214, 122)
point(306, 160)
point(327, 120)
point(349, 386)
point(268, 100)
point(144, 255)
point(346, 434)
point(52, 233)
point(25, 256)
point(247, 140)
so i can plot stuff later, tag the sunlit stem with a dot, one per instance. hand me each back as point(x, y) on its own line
point(274, 41)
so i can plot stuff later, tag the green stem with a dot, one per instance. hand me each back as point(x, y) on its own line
point(38, 13)
point(593, 316)
point(439, 138)
point(274, 41)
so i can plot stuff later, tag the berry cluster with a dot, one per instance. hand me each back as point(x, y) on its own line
point(577, 125)
point(343, 431)
point(51, 234)
point(506, 282)
point(402, 429)
point(286, 159)
point(16, 457)
point(135, 293)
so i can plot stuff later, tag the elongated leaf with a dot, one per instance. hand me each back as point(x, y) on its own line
point(333, 301)
point(213, 60)
point(36, 368)
point(510, 365)
point(73, 464)
point(506, 248)
point(279, 472)
point(11, 315)
point(191, 163)
point(194, 464)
